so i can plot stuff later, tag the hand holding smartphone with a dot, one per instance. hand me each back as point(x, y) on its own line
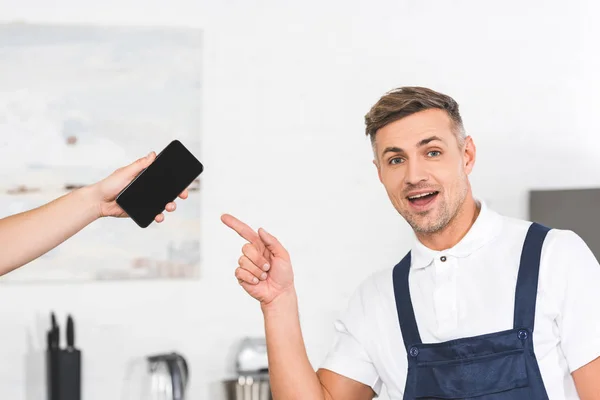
point(173, 170)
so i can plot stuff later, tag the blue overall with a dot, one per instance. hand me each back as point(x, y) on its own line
point(494, 366)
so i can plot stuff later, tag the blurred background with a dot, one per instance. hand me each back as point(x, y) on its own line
point(271, 96)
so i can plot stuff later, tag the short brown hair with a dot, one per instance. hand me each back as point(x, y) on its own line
point(404, 101)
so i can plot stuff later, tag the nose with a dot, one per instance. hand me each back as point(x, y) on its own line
point(415, 173)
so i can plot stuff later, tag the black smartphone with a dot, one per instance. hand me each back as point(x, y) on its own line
point(173, 170)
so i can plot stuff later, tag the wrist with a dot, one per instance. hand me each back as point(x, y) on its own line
point(283, 303)
point(92, 201)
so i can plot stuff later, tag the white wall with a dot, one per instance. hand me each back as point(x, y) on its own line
point(286, 89)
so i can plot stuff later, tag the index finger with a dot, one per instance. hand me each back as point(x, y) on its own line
point(241, 228)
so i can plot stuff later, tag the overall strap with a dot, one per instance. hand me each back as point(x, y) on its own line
point(406, 315)
point(527, 281)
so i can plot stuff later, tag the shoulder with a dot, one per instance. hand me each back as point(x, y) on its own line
point(565, 250)
point(559, 240)
point(515, 226)
point(370, 307)
point(362, 305)
point(565, 256)
point(373, 293)
point(377, 285)
point(556, 241)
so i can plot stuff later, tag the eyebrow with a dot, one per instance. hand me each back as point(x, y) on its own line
point(394, 149)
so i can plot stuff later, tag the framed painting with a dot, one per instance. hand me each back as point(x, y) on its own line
point(78, 102)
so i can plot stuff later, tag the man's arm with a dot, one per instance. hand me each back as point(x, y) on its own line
point(337, 387)
point(265, 272)
point(291, 375)
point(587, 380)
point(30, 234)
point(576, 273)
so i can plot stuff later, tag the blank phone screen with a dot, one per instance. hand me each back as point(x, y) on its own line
point(173, 170)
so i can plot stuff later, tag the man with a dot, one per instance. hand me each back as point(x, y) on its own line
point(28, 235)
point(483, 306)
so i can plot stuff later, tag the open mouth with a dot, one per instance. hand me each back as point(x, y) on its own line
point(422, 199)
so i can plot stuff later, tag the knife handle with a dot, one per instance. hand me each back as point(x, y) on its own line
point(70, 333)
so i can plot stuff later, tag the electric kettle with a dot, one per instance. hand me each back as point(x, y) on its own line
point(167, 377)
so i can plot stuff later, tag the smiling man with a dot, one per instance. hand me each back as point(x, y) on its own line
point(483, 306)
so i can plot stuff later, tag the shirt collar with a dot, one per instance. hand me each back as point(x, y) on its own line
point(485, 228)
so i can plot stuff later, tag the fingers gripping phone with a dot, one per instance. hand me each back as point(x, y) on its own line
point(173, 170)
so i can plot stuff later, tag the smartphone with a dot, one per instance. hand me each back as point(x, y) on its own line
point(173, 170)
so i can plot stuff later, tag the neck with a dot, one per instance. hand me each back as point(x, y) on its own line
point(456, 229)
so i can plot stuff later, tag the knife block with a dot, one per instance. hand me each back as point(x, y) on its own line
point(64, 374)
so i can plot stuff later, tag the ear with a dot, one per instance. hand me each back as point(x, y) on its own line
point(469, 154)
point(378, 169)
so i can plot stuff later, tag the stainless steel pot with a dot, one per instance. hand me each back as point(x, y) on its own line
point(249, 387)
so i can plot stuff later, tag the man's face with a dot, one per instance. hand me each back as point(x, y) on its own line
point(424, 171)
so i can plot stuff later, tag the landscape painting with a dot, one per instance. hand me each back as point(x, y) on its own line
point(78, 102)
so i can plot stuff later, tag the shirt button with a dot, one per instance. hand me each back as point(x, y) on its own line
point(443, 258)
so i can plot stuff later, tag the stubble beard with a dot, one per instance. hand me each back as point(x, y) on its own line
point(428, 222)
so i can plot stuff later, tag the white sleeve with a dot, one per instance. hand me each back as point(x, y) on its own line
point(579, 318)
point(348, 355)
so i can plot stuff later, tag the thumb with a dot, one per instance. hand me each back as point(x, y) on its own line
point(137, 166)
point(272, 244)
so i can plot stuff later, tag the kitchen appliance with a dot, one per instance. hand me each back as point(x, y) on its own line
point(252, 356)
point(252, 369)
point(167, 377)
point(255, 387)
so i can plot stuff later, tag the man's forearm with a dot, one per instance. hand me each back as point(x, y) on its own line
point(30, 234)
point(291, 374)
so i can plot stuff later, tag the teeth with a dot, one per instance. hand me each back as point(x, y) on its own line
point(420, 195)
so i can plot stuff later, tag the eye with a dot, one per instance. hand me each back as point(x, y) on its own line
point(396, 160)
point(434, 153)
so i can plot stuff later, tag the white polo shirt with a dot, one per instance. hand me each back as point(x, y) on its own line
point(472, 293)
